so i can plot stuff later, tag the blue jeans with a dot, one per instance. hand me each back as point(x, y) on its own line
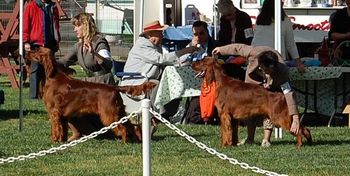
point(37, 74)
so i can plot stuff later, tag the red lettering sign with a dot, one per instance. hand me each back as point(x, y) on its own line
point(323, 26)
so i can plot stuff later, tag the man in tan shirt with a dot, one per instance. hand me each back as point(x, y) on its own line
point(265, 67)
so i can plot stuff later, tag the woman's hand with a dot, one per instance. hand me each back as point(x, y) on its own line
point(191, 49)
point(90, 49)
point(295, 124)
point(300, 66)
point(187, 50)
point(194, 41)
point(88, 46)
point(27, 46)
point(216, 51)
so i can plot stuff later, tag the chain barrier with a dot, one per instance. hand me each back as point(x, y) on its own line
point(211, 150)
point(70, 144)
point(123, 120)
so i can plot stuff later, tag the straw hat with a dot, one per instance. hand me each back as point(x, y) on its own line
point(154, 26)
point(225, 6)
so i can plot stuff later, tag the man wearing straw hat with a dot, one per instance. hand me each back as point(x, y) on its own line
point(146, 55)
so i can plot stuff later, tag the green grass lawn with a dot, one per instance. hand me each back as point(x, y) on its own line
point(171, 154)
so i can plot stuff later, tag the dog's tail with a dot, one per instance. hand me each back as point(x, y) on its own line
point(137, 90)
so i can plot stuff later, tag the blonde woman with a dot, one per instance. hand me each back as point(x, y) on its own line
point(91, 52)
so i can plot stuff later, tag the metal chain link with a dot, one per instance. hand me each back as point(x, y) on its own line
point(70, 144)
point(211, 150)
point(123, 120)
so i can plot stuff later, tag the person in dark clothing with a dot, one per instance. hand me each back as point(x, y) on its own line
point(235, 25)
point(340, 25)
point(40, 28)
point(202, 39)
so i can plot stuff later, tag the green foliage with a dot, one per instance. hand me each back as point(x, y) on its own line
point(171, 154)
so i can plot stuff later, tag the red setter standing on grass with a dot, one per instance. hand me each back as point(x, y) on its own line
point(237, 100)
point(66, 97)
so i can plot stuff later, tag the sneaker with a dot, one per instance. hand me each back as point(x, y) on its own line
point(245, 141)
point(265, 143)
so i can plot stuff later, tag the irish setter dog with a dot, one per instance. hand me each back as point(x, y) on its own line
point(237, 100)
point(66, 97)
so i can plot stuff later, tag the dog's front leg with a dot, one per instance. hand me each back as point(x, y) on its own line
point(299, 138)
point(64, 123)
point(56, 126)
point(226, 129)
point(307, 134)
point(234, 123)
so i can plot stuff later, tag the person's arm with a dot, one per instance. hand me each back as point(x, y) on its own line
point(27, 27)
point(56, 24)
point(234, 49)
point(104, 58)
point(70, 58)
point(247, 28)
point(291, 46)
point(293, 111)
point(186, 57)
point(153, 55)
point(187, 50)
point(101, 53)
point(225, 32)
point(337, 26)
point(336, 36)
point(290, 98)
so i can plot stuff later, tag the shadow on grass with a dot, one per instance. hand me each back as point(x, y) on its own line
point(331, 142)
point(14, 114)
point(312, 119)
point(314, 143)
point(7, 84)
point(156, 137)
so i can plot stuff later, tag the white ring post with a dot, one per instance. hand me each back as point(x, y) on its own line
point(278, 28)
point(276, 133)
point(21, 61)
point(146, 136)
point(280, 133)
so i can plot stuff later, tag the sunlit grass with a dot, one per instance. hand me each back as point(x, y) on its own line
point(171, 154)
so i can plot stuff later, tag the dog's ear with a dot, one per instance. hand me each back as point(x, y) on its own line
point(47, 60)
point(209, 72)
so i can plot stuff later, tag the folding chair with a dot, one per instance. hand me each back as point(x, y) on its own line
point(131, 103)
point(341, 54)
